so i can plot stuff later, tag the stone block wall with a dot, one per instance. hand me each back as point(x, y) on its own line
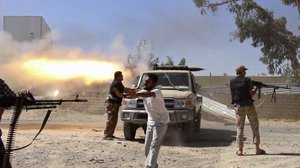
point(286, 107)
point(96, 97)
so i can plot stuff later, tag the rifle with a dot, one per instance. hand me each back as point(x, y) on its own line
point(20, 103)
point(260, 85)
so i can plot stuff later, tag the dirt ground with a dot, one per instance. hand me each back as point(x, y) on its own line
point(74, 140)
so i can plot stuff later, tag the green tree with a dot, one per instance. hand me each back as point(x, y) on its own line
point(280, 47)
point(169, 61)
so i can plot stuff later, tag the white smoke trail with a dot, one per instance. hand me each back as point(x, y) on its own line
point(13, 54)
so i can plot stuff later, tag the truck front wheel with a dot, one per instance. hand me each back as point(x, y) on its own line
point(129, 130)
point(188, 130)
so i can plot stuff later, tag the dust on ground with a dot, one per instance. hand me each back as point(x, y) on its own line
point(73, 139)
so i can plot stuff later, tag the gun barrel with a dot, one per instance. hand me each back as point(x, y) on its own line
point(40, 107)
point(61, 100)
point(276, 87)
point(47, 104)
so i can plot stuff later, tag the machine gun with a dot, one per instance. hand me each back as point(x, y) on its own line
point(22, 102)
point(49, 104)
point(260, 85)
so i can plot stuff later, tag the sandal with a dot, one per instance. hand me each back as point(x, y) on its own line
point(260, 152)
point(239, 153)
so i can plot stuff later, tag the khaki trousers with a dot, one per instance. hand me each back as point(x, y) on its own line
point(241, 113)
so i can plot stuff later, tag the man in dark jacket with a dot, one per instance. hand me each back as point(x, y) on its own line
point(113, 103)
point(242, 92)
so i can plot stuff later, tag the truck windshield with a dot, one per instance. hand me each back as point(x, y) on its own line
point(178, 81)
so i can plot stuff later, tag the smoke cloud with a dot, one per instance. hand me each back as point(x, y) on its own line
point(14, 55)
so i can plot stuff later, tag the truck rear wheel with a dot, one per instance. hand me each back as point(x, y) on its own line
point(197, 122)
point(129, 130)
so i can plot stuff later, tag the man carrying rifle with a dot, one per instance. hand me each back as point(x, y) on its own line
point(6, 97)
point(242, 92)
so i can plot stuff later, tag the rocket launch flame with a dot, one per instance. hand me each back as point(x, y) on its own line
point(89, 70)
point(61, 70)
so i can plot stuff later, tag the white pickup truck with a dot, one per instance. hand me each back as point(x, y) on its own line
point(179, 89)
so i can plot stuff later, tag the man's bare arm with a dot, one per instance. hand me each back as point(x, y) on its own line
point(117, 92)
point(140, 94)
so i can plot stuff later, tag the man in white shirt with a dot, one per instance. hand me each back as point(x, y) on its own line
point(158, 119)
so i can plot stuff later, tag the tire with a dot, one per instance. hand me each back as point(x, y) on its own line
point(188, 131)
point(197, 122)
point(191, 129)
point(144, 129)
point(129, 131)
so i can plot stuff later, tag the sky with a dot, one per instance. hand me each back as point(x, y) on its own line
point(174, 28)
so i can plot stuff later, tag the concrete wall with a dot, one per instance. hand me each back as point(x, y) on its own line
point(221, 81)
point(95, 96)
point(287, 106)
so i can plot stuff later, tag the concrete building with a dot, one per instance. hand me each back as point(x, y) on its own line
point(26, 28)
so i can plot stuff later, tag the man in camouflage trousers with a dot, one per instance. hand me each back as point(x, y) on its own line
point(113, 103)
point(242, 92)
